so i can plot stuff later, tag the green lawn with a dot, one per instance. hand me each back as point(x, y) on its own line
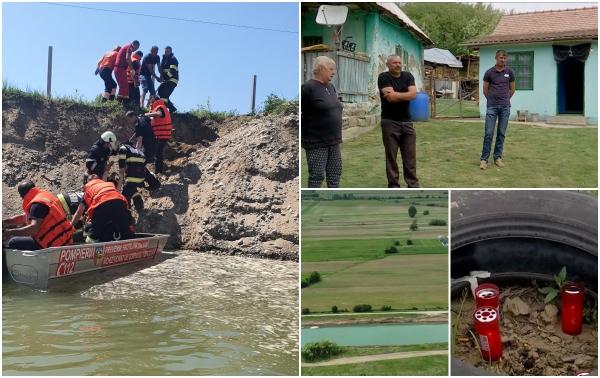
point(448, 156)
point(431, 365)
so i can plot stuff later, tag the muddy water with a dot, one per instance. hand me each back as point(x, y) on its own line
point(192, 314)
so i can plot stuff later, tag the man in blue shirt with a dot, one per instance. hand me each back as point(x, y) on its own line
point(498, 88)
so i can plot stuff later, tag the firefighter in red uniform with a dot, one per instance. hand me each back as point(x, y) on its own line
point(162, 128)
point(107, 211)
point(46, 223)
point(123, 63)
point(134, 81)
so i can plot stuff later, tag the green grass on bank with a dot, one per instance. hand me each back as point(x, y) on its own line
point(9, 90)
point(430, 365)
point(353, 351)
point(272, 105)
point(377, 313)
point(448, 156)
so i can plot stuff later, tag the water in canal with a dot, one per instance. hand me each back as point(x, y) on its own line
point(193, 314)
point(386, 334)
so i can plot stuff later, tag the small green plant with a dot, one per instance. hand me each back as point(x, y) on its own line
point(386, 308)
point(392, 249)
point(437, 222)
point(414, 226)
point(279, 105)
point(305, 311)
point(205, 111)
point(334, 309)
point(362, 308)
point(397, 242)
point(426, 212)
point(304, 283)
point(321, 350)
point(409, 242)
point(552, 292)
point(314, 278)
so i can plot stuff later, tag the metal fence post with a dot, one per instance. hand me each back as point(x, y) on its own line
point(49, 80)
point(253, 101)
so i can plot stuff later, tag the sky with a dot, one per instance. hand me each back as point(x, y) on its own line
point(216, 63)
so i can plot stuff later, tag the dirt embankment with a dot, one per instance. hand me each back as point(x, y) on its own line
point(229, 187)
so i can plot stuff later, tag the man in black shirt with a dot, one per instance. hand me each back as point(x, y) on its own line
point(99, 154)
point(147, 75)
point(143, 137)
point(169, 77)
point(396, 89)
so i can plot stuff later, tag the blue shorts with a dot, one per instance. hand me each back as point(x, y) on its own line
point(147, 85)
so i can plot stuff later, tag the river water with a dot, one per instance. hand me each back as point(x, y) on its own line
point(387, 334)
point(192, 314)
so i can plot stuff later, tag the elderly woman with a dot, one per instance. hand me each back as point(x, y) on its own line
point(322, 125)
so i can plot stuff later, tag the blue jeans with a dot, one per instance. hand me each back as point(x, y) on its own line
point(147, 85)
point(495, 112)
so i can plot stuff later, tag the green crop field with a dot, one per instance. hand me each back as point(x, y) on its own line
point(345, 241)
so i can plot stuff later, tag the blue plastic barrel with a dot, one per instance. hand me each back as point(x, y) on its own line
point(419, 108)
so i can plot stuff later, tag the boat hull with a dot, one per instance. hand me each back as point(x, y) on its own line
point(37, 268)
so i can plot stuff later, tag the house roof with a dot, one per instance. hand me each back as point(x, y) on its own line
point(392, 10)
point(395, 11)
point(441, 56)
point(544, 26)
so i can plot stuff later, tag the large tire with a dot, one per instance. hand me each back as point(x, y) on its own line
point(525, 231)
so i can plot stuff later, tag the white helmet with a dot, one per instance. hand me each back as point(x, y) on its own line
point(110, 137)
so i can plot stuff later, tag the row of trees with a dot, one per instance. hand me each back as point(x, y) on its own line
point(451, 24)
point(357, 308)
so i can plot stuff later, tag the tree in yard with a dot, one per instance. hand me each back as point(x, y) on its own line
point(412, 211)
point(450, 24)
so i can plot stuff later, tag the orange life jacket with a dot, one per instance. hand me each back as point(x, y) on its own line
point(136, 79)
point(96, 192)
point(162, 127)
point(108, 60)
point(56, 230)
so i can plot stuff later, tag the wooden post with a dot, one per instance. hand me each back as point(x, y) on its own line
point(253, 101)
point(460, 96)
point(468, 68)
point(49, 80)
